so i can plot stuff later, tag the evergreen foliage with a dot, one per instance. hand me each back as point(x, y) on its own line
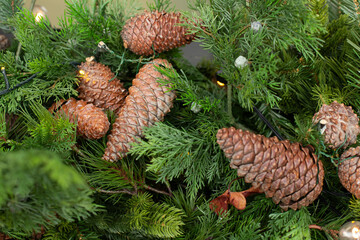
point(38, 189)
point(71, 231)
point(305, 54)
point(8, 10)
point(174, 152)
point(3, 132)
point(154, 219)
point(53, 133)
point(296, 225)
point(224, 32)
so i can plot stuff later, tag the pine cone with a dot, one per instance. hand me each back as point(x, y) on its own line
point(339, 124)
point(349, 171)
point(4, 42)
point(99, 86)
point(148, 102)
point(287, 172)
point(155, 31)
point(91, 121)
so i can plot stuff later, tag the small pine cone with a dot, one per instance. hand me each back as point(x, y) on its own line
point(4, 42)
point(91, 121)
point(148, 102)
point(159, 31)
point(99, 86)
point(287, 172)
point(339, 124)
point(349, 171)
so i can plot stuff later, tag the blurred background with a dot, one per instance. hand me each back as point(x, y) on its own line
point(56, 8)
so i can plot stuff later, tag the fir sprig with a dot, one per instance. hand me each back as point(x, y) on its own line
point(71, 231)
point(47, 131)
point(226, 32)
point(154, 219)
point(174, 152)
point(295, 225)
point(188, 91)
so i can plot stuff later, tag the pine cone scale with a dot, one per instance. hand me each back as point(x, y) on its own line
point(339, 124)
point(91, 121)
point(99, 86)
point(147, 103)
point(287, 172)
point(4, 42)
point(159, 31)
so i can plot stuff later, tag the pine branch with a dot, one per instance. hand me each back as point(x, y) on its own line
point(225, 32)
point(112, 179)
point(354, 206)
point(70, 230)
point(208, 225)
point(351, 8)
point(248, 228)
point(160, 220)
point(290, 224)
point(161, 5)
point(30, 200)
point(3, 128)
point(320, 10)
point(188, 91)
point(8, 9)
point(47, 131)
point(174, 152)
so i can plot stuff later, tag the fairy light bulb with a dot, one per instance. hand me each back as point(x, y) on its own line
point(256, 26)
point(39, 12)
point(82, 72)
point(241, 62)
point(350, 231)
point(195, 107)
point(221, 84)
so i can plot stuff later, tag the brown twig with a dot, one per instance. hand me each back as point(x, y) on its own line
point(78, 151)
point(244, 28)
point(114, 191)
point(313, 226)
point(168, 187)
point(333, 233)
point(156, 190)
point(232, 182)
point(134, 183)
point(23, 73)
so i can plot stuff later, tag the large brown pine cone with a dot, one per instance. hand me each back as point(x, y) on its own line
point(99, 86)
point(349, 171)
point(91, 121)
point(148, 102)
point(4, 42)
point(339, 124)
point(287, 172)
point(155, 31)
